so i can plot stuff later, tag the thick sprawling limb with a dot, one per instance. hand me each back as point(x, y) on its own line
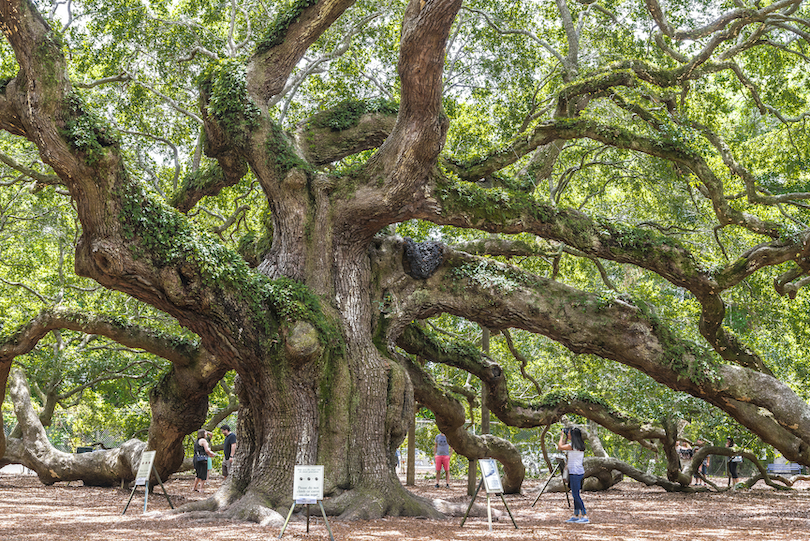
point(617, 330)
point(286, 41)
point(34, 450)
point(179, 402)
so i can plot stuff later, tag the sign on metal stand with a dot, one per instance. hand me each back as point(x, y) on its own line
point(308, 489)
point(145, 469)
point(491, 480)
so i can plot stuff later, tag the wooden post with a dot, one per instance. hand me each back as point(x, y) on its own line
point(410, 478)
point(484, 408)
point(473, 468)
point(472, 478)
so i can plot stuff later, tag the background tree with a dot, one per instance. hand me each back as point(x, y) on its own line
point(241, 170)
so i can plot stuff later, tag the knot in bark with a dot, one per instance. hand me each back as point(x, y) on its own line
point(107, 257)
point(181, 285)
point(296, 178)
point(302, 344)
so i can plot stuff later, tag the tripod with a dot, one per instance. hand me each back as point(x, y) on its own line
point(558, 467)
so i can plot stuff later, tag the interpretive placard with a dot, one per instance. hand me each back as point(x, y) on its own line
point(308, 484)
point(492, 479)
point(145, 469)
point(308, 489)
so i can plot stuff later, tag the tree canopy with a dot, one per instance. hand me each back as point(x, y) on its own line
point(324, 195)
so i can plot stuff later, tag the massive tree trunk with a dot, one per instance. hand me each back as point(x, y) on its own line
point(329, 395)
point(313, 387)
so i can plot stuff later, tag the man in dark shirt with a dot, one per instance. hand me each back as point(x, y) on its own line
point(230, 449)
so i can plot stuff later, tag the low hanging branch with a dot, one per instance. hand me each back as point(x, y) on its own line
point(603, 472)
point(547, 411)
point(451, 420)
point(770, 480)
point(35, 452)
point(179, 402)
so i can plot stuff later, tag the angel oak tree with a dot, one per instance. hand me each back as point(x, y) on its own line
point(320, 332)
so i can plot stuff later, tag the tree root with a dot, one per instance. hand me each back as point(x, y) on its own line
point(363, 504)
point(355, 504)
point(251, 507)
point(372, 503)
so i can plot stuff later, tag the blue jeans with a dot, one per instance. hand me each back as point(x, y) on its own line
point(575, 482)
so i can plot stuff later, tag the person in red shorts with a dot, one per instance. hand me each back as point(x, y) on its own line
point(442, 457)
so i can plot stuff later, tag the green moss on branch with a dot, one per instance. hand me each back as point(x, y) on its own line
point(277, 30)
point(280, 153)
point(85, 131)
point(227, 99)
point(347, 114)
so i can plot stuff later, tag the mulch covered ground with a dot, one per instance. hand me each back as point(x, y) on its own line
point(629, 511)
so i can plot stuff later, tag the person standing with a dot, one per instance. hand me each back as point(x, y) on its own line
point(441, 455)
point(702, 473)
point(733, 463)
point(575, 449)
point(229, 448)
point(201, 453)
point(685, 454)
point(210, 460)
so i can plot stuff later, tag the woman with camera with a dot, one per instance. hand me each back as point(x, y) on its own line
point(575, 449)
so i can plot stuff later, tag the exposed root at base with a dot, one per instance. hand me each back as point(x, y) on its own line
point(365, 504)
point(250, 507)
point(355, 504)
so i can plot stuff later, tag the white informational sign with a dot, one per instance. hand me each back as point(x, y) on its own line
point(308, 484)
point(145, 469)
point(492, 479)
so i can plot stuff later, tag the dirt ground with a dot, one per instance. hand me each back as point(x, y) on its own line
point(628, 511)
